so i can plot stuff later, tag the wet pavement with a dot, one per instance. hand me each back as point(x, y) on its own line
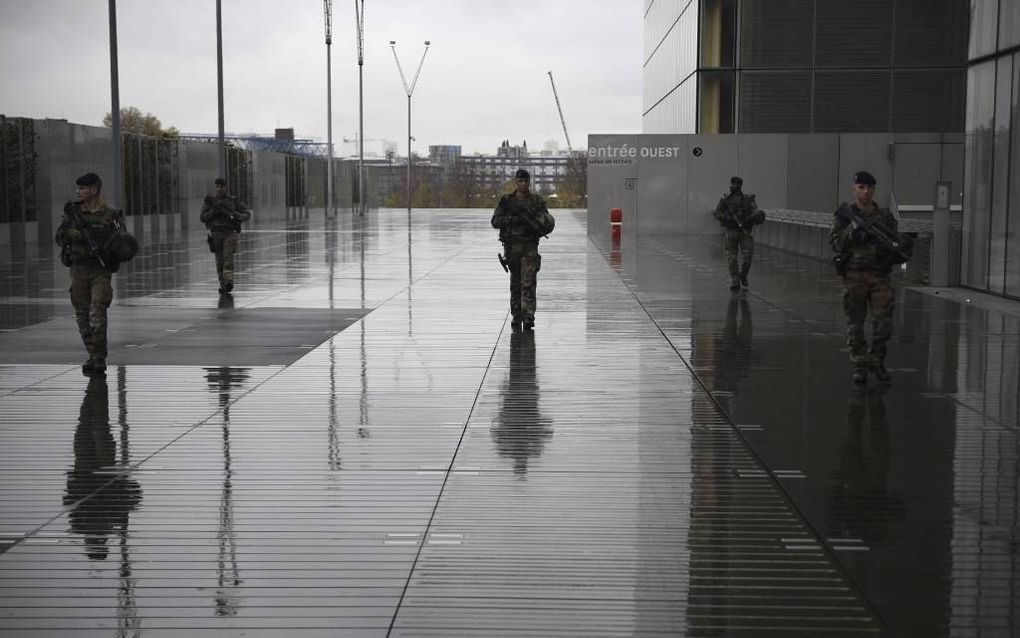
point(356, 443)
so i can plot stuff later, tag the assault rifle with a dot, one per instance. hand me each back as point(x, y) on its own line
point(504, 258)
point(74, 210)
point(737, 220)
point(897, 248)
point(219, 209)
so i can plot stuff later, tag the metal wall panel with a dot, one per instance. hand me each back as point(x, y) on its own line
point(851, 100)
point(774, 102)
point(776, 33)
point(66, 151)
point(928, 34)
point(708, 178)
point(928, 100)
point(917, 168)
point(762, 160)
point(866, 152)
point(812, 171)
point(199, 168)
point(854, 33)
point(662, 183)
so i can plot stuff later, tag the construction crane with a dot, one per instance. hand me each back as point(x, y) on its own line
point(570, 149)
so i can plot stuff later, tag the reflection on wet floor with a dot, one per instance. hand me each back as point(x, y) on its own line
point(356, 443)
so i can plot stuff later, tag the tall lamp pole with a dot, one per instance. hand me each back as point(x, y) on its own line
point(327, 6)
point(219, 87)
point(359, 16)
point(409, 90)
point(118, 149)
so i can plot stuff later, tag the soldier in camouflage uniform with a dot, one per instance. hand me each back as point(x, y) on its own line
point(522, 219)
point(866, 282)
point(223, 215)
point(91, 272)
point(739, 214)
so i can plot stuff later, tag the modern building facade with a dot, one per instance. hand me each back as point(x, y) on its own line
point(991, 232)
point(804, 66)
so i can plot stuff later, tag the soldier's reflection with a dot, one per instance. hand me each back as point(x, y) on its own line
point(860, 506)
point(223, 381)
point(102, 496)
point(521, 431)
point(734, 348)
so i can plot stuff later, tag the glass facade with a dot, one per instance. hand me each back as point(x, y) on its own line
point(991, 226)
point(786, 66)
point(670, 66)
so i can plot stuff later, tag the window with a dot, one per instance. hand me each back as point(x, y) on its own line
point(983, 20)
point(978, 174)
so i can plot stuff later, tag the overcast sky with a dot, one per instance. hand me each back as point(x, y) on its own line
point(484, 78)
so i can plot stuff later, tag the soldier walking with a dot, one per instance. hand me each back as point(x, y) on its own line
point(223, 215)
point(522, 219)
point(84, 235)
point(739, 214)
point(865, 265)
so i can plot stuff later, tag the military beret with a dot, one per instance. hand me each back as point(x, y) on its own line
point(736, 180)
point(89, 179)
point(522, 174)
point(864, 177)
point(220, 181)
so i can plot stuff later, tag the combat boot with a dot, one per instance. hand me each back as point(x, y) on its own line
point(860, 375)
point(227, 287)
point(743, 281)
point(88, 367)
point(529, 322)
point(881, 374)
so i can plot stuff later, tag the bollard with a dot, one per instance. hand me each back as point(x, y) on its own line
point(615, 231)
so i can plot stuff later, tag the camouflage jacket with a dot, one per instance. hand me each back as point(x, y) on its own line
point(101, 225)
point(224, 213)
point(740, 206)
point(855, 250)
point(522, 217)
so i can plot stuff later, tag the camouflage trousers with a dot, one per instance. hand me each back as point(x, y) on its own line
point(224, 245)
point(91, 295)
point(737, 240)
point(863, 290)
point(525, 263)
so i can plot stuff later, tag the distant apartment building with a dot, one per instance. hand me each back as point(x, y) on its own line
point(444, 154)
point(804, 66)
point(548, 168)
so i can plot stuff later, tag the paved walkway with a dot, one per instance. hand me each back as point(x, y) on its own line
point(358, 445)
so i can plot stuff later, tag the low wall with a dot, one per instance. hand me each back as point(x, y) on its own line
point(807, 233)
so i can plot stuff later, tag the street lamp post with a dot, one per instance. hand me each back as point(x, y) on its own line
point(117, 182)
point(409, 90)
point(219, 88)
point(359, 16)
point(327, 6)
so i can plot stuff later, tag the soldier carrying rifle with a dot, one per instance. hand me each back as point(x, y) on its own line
point(866, 245)
point(522, 219)
point(223, 215)
point(93, 243)
point(739, 214)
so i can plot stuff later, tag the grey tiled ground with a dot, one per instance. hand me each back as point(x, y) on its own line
point(361, 446)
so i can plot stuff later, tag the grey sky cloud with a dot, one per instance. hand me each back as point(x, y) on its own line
point(484, 79)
